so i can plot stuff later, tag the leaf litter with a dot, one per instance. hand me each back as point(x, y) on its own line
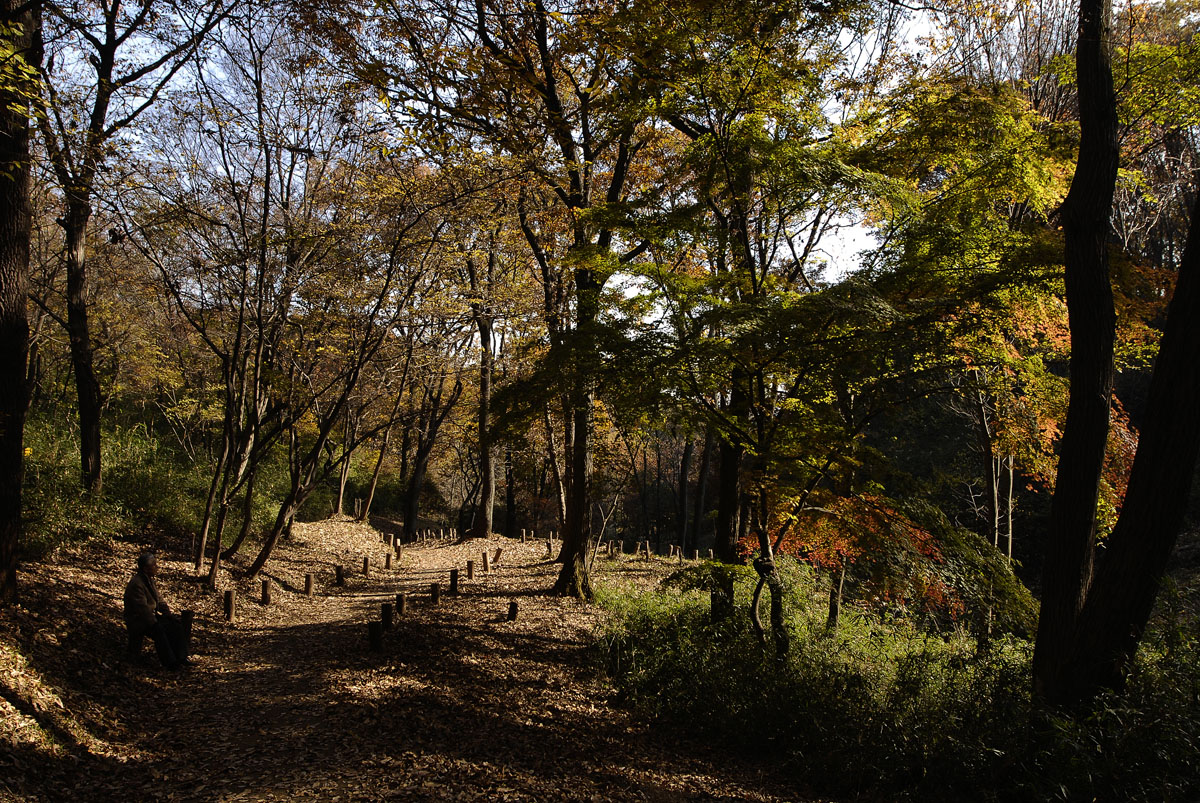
point(289, 703)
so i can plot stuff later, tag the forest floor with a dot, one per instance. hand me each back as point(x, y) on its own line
point(287, 702)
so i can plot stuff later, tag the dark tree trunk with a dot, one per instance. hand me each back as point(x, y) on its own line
point(19, 21)
point(681, 513)
point(573, 578)
point(510, 496)
point(87, 387)
point(697, 523)
point(1070, 551)
point(1131, 567)
point(482, 525)
point(729, 497)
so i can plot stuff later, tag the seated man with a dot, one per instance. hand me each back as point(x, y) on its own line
point(147, 615)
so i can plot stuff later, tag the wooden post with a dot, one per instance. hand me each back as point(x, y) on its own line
point(375, 635)
point(496, 557)
point(230, 605)
point(385, 614)
point(339, 576)
point(453, 582)
point(266, 592)
point(308, 584)
point(401, 603)
point(366, 566)
point(435, 593)
point(523, 534)
point(710, 554)
point(470, 570)
point(487, 566)
point(512, 611)
point(695, 554)
point(549, 547)
point(387, 561)
point(680, 553)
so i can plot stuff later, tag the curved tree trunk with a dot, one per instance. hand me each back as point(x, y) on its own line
point(1067, 573)
point(1127, 581)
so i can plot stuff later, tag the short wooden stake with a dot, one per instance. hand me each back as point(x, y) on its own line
point(230, 605)
point(710, 554)
point(680, 553)
point(387, 561)
point(470, 570)
point(695, 554)
point(549, 547)
point(453, 582)
point(435, 593)
point(375, 635)
point(385, 615)
point(496, 557)
point(512, 611)
point(308, 584)
point(366, 566)
point(487, 566)
point(523, 535)
point(266, 592)
point(401, 604)
point(339, 576)
point(187, 617)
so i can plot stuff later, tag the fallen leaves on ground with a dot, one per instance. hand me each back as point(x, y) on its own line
point(287, 702)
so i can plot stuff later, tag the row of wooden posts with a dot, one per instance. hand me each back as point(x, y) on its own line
point(376, 628)
point(614, 548)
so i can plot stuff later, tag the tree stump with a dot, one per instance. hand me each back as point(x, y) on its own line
point(435, 593)
point(339, 576)
point(453, 582)
point(308, 584)
point(487, 565)
point(401, 604)
point(375, 635)
point(230, 605)
point(366, 566)
point(512, 611)
point(266, 592)
point(470, 570)
point(385, 615)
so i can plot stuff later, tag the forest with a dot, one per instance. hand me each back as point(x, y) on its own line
point(831, 367)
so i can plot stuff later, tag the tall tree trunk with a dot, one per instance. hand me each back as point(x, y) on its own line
point(1136, 553)
point(482, 525)
point(697, 524)
point(681, 513)
point(560, 485)
point(87, 387)
point(18, 22)
point(729, 497)
point(510, 496)
point(1070, 552)
point(573, 579)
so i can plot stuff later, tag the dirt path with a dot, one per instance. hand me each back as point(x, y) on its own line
point(288, 702)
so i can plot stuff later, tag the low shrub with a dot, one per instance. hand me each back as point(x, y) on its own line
point(885, 710)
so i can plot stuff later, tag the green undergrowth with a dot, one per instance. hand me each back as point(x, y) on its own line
point(148, 481)
point(887, 711)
